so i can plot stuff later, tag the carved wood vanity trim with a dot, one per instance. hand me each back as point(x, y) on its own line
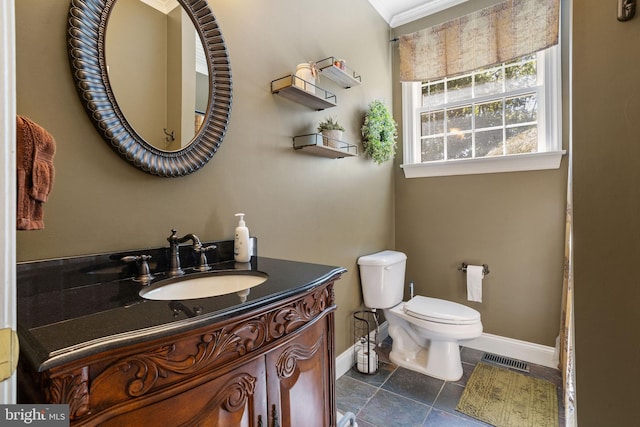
point(72, 387)
point(233, 396)
point(288, 360)
point(117, 381)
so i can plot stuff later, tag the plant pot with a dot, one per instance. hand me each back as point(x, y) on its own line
point(332, 138)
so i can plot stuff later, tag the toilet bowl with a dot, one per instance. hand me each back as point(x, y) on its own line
point(428, 344)
point(426, 331)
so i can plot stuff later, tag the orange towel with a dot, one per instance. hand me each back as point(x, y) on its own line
point(35, 150)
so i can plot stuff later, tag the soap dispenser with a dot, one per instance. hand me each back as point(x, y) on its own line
point(241, 244)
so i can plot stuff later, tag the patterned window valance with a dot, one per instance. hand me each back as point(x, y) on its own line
point(489, 36)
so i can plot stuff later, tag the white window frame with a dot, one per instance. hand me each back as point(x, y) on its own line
point(550, 150)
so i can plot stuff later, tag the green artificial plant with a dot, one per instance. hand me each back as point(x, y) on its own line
point(379, 133)
point(330, 124)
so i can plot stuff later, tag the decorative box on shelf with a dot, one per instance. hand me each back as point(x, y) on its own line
point(301, 91)
point(318, 144)
point(338, 71)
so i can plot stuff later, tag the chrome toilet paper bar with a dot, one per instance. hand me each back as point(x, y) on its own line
point(464, 265)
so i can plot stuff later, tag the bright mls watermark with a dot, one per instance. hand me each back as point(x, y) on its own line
point(34, 415)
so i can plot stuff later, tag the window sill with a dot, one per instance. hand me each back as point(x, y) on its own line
point(510, 163)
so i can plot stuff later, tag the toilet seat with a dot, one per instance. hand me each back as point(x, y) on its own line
point(440, 311)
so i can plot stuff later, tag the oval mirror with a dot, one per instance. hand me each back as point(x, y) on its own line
point(183, 136)
point(164, 94)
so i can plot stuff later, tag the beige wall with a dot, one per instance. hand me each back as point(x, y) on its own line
point(606, 143)
point(514, 222)
point(141, 90)
point(299, 206)
point(331, 211)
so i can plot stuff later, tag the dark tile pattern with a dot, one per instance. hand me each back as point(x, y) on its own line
point(395, 396)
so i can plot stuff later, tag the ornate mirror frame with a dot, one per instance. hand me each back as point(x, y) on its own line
point(86, 42)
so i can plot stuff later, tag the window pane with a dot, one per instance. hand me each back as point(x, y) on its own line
point(459, 119)
point(522, 139)
point(459, 146)
point(432, 149)
point(489, 143)
point(433, 94)
point(521, 74)
point(489, 114)
point(459, 88)
point(486, 113)
point(489, 82)
point(432, 123)
point(521, 109)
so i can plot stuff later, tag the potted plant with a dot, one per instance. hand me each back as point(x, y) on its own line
point(331, 131)
point(379, 133)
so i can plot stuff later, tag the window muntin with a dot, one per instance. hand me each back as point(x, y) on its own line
point(491, 113)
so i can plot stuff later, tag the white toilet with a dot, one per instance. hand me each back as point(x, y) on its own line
point(425, 331)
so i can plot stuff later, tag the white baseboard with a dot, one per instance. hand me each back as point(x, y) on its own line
point(509, 347)
point(521, 350)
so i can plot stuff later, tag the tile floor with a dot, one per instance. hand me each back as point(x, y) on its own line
point(398, 397)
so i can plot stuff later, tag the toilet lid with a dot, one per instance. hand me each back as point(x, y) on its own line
point(440, 311)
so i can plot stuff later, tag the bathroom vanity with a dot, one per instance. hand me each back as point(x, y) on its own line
point(262, 359)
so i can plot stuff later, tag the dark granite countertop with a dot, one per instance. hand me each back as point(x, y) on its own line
point(72, 308)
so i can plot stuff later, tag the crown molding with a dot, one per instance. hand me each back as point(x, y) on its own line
point(164, 6)
point(382, 7)
point(426, 9)
point(397, 12)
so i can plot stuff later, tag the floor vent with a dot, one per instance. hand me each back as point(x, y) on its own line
point(507, 362)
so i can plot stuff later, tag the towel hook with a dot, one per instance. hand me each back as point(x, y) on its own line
point(169, 136)
point(463, 268)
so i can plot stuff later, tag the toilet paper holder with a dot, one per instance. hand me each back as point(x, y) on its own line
point(463, 268)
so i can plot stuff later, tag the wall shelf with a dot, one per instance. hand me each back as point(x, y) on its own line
point(301, 91)
point(342, 75)
point(313, 143)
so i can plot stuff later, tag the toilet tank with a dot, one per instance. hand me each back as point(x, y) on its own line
point(382, 278)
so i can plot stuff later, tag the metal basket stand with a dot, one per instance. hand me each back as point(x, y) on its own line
point(365, 336)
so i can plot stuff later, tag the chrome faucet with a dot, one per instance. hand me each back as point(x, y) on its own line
point(174, 252)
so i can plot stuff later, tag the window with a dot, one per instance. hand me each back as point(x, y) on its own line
point(502, 118)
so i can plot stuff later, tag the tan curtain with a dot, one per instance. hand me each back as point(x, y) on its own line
point(489, 36)
point(567, 349)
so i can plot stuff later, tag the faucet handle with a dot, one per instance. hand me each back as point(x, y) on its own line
point(200, 250)
point(144, 273)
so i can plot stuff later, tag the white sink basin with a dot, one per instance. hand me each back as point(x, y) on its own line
point(203, 286)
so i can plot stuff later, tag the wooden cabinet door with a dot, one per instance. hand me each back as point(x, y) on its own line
point(234, 399)
point(299, 379)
